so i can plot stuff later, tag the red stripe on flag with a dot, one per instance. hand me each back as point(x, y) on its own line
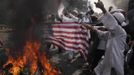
point(75, 37)
point(83, 43)
point(64, 46)
point(66, 23)
point(70, 27)
point(64, 32)
point(69, 36)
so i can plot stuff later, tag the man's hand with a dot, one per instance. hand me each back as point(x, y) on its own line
point(87, 26)
point(100, 5)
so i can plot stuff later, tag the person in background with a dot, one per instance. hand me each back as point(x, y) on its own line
point(87, 17)
point(68, 17)
point(130, 16)
point(74, 15)
point(98, 47)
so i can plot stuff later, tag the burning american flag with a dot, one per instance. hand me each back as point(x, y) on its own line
point(69, 36)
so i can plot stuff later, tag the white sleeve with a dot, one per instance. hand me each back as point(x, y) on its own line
point(102, 34)
point(109, 21)
point(111, 24)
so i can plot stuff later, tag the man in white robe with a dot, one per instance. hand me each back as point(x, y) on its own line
point(115, 46)
point(116, 39)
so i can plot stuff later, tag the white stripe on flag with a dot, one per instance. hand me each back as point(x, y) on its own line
point(70, 36)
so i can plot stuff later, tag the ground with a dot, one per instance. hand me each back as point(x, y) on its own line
point(66, 67)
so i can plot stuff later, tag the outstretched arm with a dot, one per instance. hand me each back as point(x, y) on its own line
point(100, 5)
point(101, 34)
point(109, 21)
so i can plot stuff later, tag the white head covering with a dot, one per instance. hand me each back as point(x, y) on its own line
point(75, 11)
point(120, 17)
point(117, 10)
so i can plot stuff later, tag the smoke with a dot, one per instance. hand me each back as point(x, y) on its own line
point(26, 15)
point(131, 18)
point(122, 4)
point(22, 13)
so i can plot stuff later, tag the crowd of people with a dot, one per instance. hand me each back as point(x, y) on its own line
point(109, 39)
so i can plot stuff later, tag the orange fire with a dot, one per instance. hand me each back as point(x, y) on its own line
point(31, 58)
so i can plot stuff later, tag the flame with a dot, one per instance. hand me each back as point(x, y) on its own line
point(31, 57)
point(17, 65)
point(47, 66)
